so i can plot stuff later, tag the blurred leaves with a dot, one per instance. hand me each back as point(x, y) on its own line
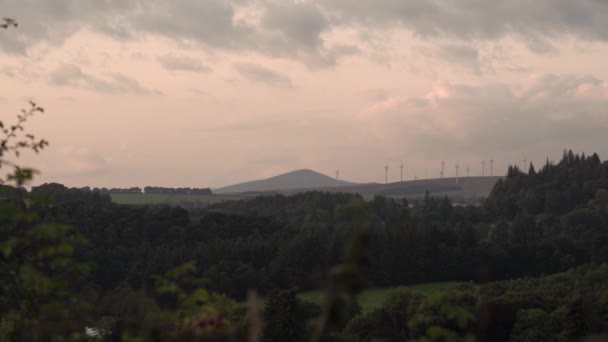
point(8, 22)
point(15, 141)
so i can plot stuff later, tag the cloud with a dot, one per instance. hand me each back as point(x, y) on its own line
point(256, 73)
point(548, 111)
point(296, 22)
point(464, 55)
point(302, 30)
point(296, 29)
point(209, 22)
point(71, 75)
point(468, 20)
point(175, 63)
point(286, 29)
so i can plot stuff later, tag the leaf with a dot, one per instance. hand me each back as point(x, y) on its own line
point(8, 246)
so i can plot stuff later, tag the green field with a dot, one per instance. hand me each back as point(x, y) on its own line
point(169, 199)
point(373, 298)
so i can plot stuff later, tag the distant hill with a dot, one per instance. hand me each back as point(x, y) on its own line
point(299, 179)
point(466, 190)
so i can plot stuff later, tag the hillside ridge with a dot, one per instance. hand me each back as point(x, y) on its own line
point(297, 179)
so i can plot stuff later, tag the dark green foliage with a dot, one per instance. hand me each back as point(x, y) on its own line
point(409, 316)
point(532, 325)
point(286, 317)
point(565, 306)
point(542, 222)
point(562, 307)
point(175, 191)
point(389, 323)
point(284, 241)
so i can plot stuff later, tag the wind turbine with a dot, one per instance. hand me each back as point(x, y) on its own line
point(483, 168)
point(525, 162)
point(401, 171)
point(468, 171)
point(457, 166)
point(337, 176)
point(386, 174)
point(492, 166)
point(442, 167)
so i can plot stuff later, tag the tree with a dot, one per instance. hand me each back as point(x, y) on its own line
point(15, 141)
point(284, 317)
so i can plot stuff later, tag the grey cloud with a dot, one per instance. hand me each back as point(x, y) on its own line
point(208, 22)
point(260, 74)
point(548, 112)
point(299, 22)
point(461, 54)
point(288, 29)
point(70, 75)
point(330, 56)
point(536, 22)
point(295, 29)
point(55, 21)
point(171, 62)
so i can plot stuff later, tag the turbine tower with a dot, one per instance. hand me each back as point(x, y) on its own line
point(457, 166)
point(525, 162)
point(386, 174)
point(468, 171)
point(442, 167)
point(337, 176)
point(483, 168)
point(492, 166)
point(401, 171)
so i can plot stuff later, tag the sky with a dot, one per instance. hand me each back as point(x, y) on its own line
point(207, 93)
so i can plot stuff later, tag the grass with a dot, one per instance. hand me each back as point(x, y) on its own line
point(161, 198)
point(373, 298)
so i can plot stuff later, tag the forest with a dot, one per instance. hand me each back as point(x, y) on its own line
point(531, 260)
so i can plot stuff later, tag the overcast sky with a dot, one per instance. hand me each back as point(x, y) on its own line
point(210, 93)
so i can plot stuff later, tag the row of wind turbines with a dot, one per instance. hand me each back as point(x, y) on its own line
point(442, 170)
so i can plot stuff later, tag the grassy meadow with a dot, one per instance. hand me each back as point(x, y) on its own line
point(167, 198)
point(373, 298)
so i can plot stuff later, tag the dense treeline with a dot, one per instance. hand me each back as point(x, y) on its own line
point(283, 241)
point(147, 190)
point(177, 191)
point(533, 223)
point(560, 307)
point(132, 190)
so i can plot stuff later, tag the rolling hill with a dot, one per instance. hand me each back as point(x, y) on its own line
point(299, 179)
point(467, 189)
